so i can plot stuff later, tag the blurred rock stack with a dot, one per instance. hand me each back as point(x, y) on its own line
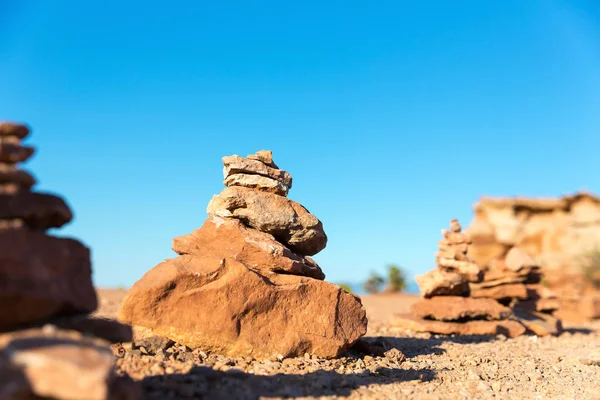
point(461, 298)
point(46, 293)
point(244, 283)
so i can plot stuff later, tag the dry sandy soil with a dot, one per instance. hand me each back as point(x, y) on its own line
point(412, 366)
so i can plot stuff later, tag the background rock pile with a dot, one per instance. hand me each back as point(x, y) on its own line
point(461, 298)
point(244, 283)
point(561, 234)
point(45, 293)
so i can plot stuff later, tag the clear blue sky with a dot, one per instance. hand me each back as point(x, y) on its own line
point(392, 116)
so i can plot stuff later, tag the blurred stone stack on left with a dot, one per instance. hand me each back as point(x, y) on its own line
point(46, 294)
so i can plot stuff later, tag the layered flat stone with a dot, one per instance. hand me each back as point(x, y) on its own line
point(257, 250)
point(442, 283)
point(541, 324)
point(13, 153)
point(454, 308)
point(507, 328)
point(39, 211)
point(257, 182)
point(288, 221)
point(19, 131)
point(502, 292)
point(467, 269)
point(16, 176)
point(41, 277)
point(239, 165)
point(264, 156)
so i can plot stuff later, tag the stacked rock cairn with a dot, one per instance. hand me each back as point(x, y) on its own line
point(49, 346)
point(244, 283)
point(461, 298)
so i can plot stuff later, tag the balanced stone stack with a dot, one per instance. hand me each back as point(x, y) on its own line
point(461, 298)
point(244, 283)
point(515, 281)
point(46, 293)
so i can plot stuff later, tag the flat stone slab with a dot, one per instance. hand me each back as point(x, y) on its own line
point(507, 328)
point(39, 211)
point(502, 292)
point(455, 308)
point(11, 129)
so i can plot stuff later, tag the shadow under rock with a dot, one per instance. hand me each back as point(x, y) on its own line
point(413, 347)
point(204, 382)
point(584, 331)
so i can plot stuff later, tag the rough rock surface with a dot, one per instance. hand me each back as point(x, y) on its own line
point(507, 328)
point(502, 292)
point(288, 221)
point(555, 232)
point(454, 308)
point(218, 304)
point(230, 238)
point(257, 182)
point(39, 211)
point(239, 165)
point(440, 283)
point(42, 276)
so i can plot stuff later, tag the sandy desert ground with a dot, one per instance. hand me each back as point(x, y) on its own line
point(391, 363)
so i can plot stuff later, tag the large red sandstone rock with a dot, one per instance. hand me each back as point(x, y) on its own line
point(288, 221)
point(217, 303)
point(454, 308)
point(42, 276)
point(226, 237)
point(441, 283)
point(507, 328)
point(39, 211)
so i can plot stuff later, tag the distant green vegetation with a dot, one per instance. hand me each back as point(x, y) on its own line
point(395, 283)
point(346, 287)
point(374, 283)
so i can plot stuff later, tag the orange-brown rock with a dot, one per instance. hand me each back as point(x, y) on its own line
point(555, 232)
point(455, 308)
point(42, 276)
point(238, 165)
point(217, 303)
point(507, 328)
point(257, 182)
point(452, 254)
point(16, 177)
point(288, 221)
point(540, 324)
point(264, 156)
point(39, 211)
point(226, 237)
point(20, 131)
point(502, 292)
point(13, 153)
point(516, 260)
point(441, 283)
point(57, 364)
